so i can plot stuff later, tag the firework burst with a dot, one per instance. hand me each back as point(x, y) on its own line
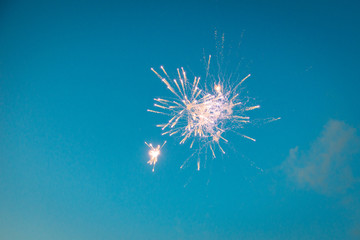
point(202, 114)
point(204, 111)
point(154, 153)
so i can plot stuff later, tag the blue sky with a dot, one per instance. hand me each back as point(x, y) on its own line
point(75, 84)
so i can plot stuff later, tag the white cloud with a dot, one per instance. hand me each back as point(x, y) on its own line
point(326, 166)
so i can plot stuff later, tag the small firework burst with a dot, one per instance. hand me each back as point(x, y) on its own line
point(154, 153)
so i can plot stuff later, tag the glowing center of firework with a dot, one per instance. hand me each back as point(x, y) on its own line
point(155, 153)
point(218, 88)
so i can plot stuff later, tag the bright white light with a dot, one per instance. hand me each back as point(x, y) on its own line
point(154, 153)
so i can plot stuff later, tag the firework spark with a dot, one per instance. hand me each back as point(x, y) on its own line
point(154, 153)
point(200, 113)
